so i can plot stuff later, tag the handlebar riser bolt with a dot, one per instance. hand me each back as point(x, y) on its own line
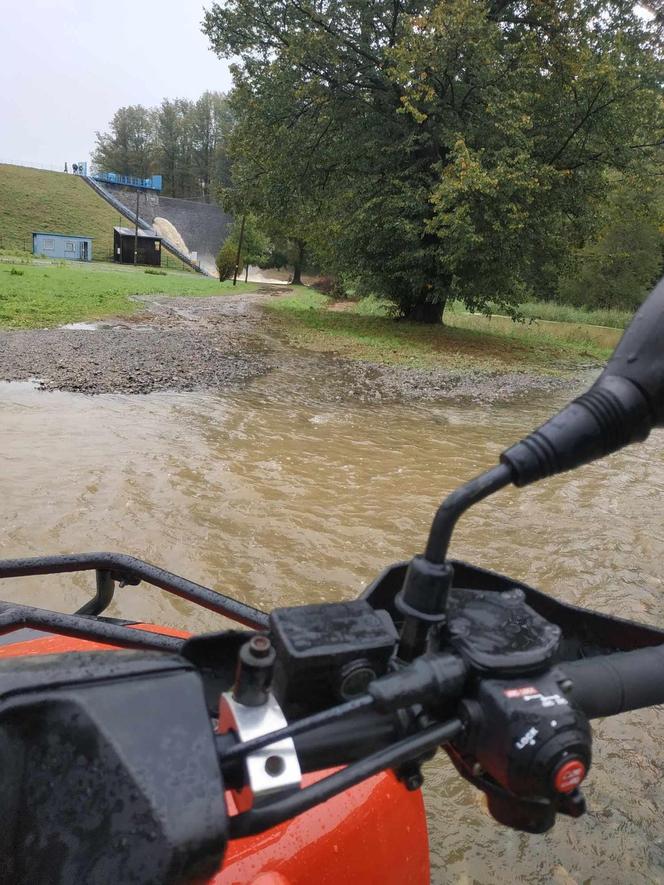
point(260, 646)
point(253, 675)
point(411, 776)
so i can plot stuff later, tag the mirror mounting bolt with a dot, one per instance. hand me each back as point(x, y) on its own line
point(423, 602)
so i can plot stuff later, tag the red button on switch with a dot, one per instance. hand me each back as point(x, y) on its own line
point(569, 776)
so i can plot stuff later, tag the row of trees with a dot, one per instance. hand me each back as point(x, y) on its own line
point(482, 150)
point(182, 140)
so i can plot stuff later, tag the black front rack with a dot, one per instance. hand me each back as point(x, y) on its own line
point(112, 569)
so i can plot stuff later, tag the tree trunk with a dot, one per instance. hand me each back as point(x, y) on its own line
point(297, 265)
point(246, 272)
point(427, 312)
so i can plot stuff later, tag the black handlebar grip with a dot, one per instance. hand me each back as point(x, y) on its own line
point(622, 406)
point(612, 684)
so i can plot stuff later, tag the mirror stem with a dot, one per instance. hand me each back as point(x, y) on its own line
point(457, 503)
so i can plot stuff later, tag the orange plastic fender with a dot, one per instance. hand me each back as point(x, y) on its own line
point(373, 834)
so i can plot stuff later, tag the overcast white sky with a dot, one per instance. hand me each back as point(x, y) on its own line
point(67, 65)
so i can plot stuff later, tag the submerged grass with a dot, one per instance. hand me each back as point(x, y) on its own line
point(468, 342)
point(51, 294)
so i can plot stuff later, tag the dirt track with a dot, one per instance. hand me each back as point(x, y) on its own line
point(214, 343)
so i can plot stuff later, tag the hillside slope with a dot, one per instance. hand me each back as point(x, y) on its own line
point(31, 199)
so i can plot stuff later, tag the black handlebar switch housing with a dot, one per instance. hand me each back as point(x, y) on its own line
point(528, 748)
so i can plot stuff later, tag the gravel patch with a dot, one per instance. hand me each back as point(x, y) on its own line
point(375, 382)
point(213, 343)
point(113, 360)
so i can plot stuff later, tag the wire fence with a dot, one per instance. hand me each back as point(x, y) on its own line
point(30, 165)
point(21, 248)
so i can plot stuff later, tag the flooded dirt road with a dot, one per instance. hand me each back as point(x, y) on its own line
point(219, 342)
point(279, 493)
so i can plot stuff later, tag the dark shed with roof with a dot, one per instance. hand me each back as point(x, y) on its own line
point(149, 246)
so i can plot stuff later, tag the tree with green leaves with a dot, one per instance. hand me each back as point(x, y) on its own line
point(270, 174)
point(453, 149)
point(253, 244)
point(209, 118)
point(618, 265)
point(174, 146)
point(129, 146)
point(256, 245)
point(182, 140)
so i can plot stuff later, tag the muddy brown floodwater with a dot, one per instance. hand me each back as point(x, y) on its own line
point(279, 493)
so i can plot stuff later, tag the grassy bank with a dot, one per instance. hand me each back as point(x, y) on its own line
point(564, 313)
point(34, 200)
point(466, 343)
point(31, 199)
point(546, 311)
point(34, 295)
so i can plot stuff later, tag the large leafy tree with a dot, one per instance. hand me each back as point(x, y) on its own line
point(617, 266)
point(181, 139)
point(129, 145)
point(173, 146)
point(209, 119)
point(452, 147)
point(274, 171)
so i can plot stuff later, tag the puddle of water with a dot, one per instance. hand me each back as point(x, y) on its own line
point(81, 327)
point(10, 388)
point(281, 497)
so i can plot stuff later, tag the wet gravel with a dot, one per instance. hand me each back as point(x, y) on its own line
point(215, 343)
point(175, 345)
point(372, 382)
point(122, 360)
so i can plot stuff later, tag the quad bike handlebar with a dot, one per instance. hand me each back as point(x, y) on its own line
point(507, 686)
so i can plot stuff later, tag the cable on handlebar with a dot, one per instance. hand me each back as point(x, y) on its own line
point(249, 823)
point(325, 717)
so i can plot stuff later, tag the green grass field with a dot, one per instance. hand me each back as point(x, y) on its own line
point(35, 295)
point(565, 313)
point(547, 311)
point(362, 330)
point(31, 199)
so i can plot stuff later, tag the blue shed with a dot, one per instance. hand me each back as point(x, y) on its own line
point(62, 246)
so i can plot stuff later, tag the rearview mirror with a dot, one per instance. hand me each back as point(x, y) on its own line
point(621, 407)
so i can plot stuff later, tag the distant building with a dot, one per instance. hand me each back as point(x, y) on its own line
point(67, 246)
point(149, 246)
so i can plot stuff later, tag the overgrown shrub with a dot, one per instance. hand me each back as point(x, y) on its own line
point(616, 270)
point(226, 260)
point(329, 285)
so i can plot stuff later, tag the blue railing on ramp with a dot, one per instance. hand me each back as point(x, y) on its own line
point(144, 225)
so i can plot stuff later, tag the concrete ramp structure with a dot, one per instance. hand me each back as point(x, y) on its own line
point(199, 228)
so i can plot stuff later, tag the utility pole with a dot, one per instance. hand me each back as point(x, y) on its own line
point(239, 250)
point(138, 193)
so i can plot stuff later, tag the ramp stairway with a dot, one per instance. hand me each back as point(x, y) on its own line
point(144, 225)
